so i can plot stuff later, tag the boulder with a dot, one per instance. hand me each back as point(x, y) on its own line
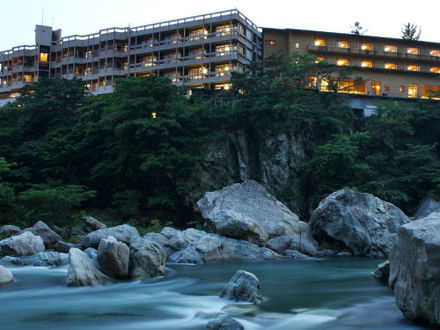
point(382, 271)
point(147, 259)
point(224, 322)
point(82, 270)
point(21, 245)
point(113, 257)
point(248, 211)
point(243, 286)
point(415, 270)
point(9, 230)
point(5, 276)
point(42, 259)
point(122, 233)
point(359, 221)
point(65, 247)
point(91, 224)
point(50, 238)
point(426, 207)
point(92, 253)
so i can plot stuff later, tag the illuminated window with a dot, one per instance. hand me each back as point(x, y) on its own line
point(222, 69)
point(270, 42)
point(199, 34)
point(431, 92)
point(412, 90)
point(390, 66)
point(27, 78)
point(413, 68)
point(44, 57)
point(390, 49)
point(402, 89)
point(434, 69)
point(296, 44)
point(312, 82)
point(434, 52)
point(375, 87)
point(387, 87)
point(222, 86)
point(343, 44)
point(319, 59)
point(342, 62)
point(412, 50)
point(349, 86)
point(224, 29)
point(319, 42)
point(198, 73)
point(366, 47)
point(222, 50)
point(367, 64)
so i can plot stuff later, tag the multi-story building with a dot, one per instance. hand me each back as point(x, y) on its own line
point(196, 51)
point(378, 66)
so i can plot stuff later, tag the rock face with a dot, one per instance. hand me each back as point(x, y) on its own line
point(9, 230)
point(382, 271)
point(64, 247)
point(92, 224)
point(147, 259)
point(113, 257)
point(50, 238)
point(360, 221)
point(427, 207)
point(5, 276)
point(415, 270)
point(198, 247)
point(82, 270)
point(45, 259)
point(224, 322)
point(247, 211)
point(243, 286)
point(122, 233)
point(21, 245)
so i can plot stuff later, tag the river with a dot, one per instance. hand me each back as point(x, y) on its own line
point(318, 294)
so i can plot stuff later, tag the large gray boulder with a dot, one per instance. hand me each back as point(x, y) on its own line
point(123, 233)
point(44, 259)
point(224, 322)
point(9, 230)
point(359, 221)
point(426, 207)
point(147, 259)
point(243, 286)
point(113, 257)
point(83, 270)
point(91, 224)
point(248, 211)
point(415, 270)
point(5, 276)
point(21, 245)
point(50, 238)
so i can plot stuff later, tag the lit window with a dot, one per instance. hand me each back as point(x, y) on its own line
point(412, 50)
point(390, 48)
point(44, 57)
point(413, 68)
point(412, 90)
point(27, 78)
point(390, 66)
point(312, 82)
point(270, 42)
point(387, 87)
point(342, 62)
point(366, 47)
point(343, 44)
point(375, 87)
point(344, 86)
point(319, 42)
point(434, 69)
point(319, 59)
point(431, 92)
point(297, 45)
point(224, 29)
point(434, 52)
point(222, 86)
point(367, 64)
point(402, 89)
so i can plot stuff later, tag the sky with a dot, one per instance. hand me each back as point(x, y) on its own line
point(381, 18)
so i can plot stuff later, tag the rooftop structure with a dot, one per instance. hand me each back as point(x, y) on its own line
point(197, 51)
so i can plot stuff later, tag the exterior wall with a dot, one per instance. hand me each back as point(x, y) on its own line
point(396, 80)
point(196, 51)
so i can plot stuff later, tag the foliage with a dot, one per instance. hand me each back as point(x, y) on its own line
point(411, 31)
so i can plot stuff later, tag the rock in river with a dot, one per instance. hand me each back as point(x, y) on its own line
point(50, 238)
point(5, 276)
point(21, 245)
point(147, 259)
point(82, 270)
point(122, 233)
point(113, 257)
point(243, 286)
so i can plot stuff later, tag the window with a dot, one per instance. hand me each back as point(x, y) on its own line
point(44, 57)
point(375, 87)
point(412, 90)
point(387, 87)
point(413, 68)
point(431, 92)
point(223, 50)
point(27, 78)
point(319, 42)
point(222, 69)
point(367, 64)
point(224, 29)
point(434, 69)
point(402, 89)
point(349, 86)
point(434, 52)
point(390, 49)
point(390, 66)
point(343, 44)
point(342, 62)
point(412, 50)
point(296, 44)
point(319, 59)
point(199, 34)
point(222, 86)
point(270, 42)
point(312, 82)
point(366, 46)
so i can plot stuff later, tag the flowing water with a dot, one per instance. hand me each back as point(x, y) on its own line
point(319, 294)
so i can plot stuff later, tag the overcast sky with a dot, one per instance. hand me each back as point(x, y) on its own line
point(380, 17)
